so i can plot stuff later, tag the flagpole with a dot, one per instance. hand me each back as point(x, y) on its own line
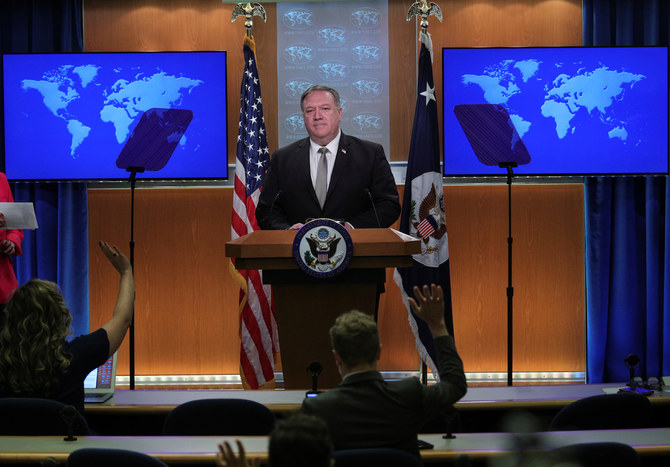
point(424, 176)
point(259, 343)
point(423, 10)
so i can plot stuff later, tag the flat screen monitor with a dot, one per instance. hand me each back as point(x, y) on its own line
point(68, 116)
point(578, 110)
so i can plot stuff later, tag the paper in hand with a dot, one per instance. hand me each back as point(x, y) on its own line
point(18, 216)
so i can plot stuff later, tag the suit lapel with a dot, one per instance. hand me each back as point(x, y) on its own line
point(304, 176)
point(340, 167)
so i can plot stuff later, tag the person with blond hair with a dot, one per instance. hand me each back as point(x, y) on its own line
point(36, 358)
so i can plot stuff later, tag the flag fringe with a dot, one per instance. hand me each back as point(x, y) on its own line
point(250, 42)
point(421, 349)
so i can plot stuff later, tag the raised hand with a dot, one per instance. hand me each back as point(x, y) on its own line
point(428, 304)
point(114, 255)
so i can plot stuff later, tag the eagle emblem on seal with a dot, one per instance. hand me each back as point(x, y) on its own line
point(430, 221)
point(322, 246)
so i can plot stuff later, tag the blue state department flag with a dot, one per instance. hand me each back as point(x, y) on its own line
point(423, 208)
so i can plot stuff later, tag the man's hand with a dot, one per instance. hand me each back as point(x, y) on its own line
point(428, 305)
point(3, 221)
point(296, 226)
point(226, 456)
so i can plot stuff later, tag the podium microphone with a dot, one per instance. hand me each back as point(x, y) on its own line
point(631, 361)
point(315, 369)
point(274, 200)
point(374, 208)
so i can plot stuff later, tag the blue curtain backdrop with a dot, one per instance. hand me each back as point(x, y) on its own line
point(627, 227)
point(58, 250)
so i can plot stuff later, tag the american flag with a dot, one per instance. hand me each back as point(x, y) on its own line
point(258, 328)
point(423, 214)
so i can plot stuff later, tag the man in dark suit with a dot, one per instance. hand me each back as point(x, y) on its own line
point(357, 185)
point(365, 411)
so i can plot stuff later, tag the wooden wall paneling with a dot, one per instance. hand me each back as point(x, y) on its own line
point(477, 247)
point(195, 275)
point(548, 276)
point(549, 290)
point(186, 318)
point(186, 304)
point(403, 57)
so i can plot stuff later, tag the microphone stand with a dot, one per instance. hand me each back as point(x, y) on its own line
point(449, 423)
point(68, 413)
point(315, 369)
point(374, 208)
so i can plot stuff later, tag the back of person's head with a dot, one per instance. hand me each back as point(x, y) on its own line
point(355, 338)
point(300, 440)
point(36, 322)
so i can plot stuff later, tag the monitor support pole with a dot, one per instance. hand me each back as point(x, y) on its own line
point(131, 337)
point(149, 147)
point(510, 289)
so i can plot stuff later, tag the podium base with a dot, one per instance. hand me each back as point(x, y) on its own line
point(304, 317)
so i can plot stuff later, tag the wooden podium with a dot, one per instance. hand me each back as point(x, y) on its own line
point(306, 307)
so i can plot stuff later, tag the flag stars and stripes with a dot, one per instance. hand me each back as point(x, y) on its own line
point(429, 94)
point(258, 329)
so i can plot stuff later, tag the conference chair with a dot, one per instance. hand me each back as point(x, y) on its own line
point(604, 412)
point(219, 417)
point(598, 454)
point(375, 456)
point(98, 457)
point(27, 416)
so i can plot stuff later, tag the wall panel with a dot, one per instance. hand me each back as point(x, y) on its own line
point(186, 301)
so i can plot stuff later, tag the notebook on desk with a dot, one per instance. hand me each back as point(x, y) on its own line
point(99, 384)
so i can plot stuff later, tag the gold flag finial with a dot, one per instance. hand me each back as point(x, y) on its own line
point(423, 10)
point(248, 10)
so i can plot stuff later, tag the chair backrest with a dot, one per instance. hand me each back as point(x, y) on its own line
point(595, 455)
point(219, 417)
point(604, 412)
point(98, 457)
point(28, 416)
point(368, 457)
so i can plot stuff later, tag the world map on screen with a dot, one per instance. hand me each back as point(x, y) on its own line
point(69, 116)
point(573, 92)
point(125, 96)
point(578, 110)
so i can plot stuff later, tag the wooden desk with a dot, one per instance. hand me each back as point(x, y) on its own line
point(281, 401)
point(202, 450)
point(142, 412)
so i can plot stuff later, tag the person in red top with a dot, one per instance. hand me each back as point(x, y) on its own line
point(10, 245)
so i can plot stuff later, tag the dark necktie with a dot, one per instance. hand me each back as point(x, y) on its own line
point(321, 185)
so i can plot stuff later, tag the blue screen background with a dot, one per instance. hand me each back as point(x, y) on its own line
point(578, 110)
point(68, 116)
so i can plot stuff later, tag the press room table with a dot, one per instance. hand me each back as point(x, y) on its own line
point(477, 398)
point(654, 442)
point(141, 412)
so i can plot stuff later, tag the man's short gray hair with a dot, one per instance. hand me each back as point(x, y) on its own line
point(321, 87)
